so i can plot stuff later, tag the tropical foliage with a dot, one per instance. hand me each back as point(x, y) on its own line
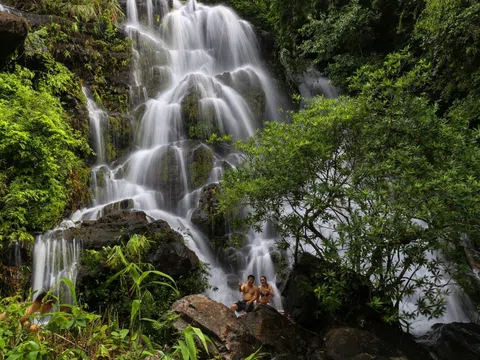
point(74, 333)
point(39, 154)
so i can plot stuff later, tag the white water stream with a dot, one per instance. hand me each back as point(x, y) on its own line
point(206, 60)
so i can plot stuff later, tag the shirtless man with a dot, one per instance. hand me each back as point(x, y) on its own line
point(250, 294)
point(265, 291)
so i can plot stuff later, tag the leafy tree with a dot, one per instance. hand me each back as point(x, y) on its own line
point(449, 35)
point(38, 152)
point(379, 183)
point(341, 36)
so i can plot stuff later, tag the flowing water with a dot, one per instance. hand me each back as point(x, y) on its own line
point(54, 259)
point(197, 72)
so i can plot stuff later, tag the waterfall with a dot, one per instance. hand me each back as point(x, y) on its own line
point(197, 72)
point(98, 123)
point(54, 259)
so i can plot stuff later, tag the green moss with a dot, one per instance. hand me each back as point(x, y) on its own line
point(201, 166)
point(198, 125)
point(120, 136)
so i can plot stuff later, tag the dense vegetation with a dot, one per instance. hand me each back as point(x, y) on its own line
point(39, 151)
point(43, 123)
point(383, 180)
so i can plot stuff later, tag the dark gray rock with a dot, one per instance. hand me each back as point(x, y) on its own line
point(175, 259)
point(126, 204)
point(110, 229)
point(305, 309)
point(278, 334)
point(454, 341)
point(13, 32)
point(206, 217)
point(347, 343)
point(117, 227)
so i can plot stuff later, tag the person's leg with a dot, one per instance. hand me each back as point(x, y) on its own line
point(234, 307)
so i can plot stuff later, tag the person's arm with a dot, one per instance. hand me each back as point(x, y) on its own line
point(34, 307)
point(240, 286)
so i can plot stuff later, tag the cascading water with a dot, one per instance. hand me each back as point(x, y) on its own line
point(55, 259)
point(98, 123)
point(197, 72)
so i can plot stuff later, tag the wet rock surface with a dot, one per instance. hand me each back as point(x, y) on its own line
point(279, 334)
point(205, 216)
point(347, 343)
point(174, 259)
point(454, 341)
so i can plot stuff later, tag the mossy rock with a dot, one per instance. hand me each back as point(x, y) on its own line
point(207, 217)
point(120, 135)
point(159, 79)
point(248, 85)
point(169, 178)
point(200, 123)
point(201, 166)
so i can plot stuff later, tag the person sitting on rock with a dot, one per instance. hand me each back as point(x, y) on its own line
point(41, 303)
point(250, 295)
point(265, 292)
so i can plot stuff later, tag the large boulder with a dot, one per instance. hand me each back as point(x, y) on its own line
point(118, 226)
point(231, 335)
point(306, 310)
point(454, 341)
point(110, 229)
point(13, 32)
point(347, 343)
point(282, 337)
point(207, 218)
point(175, 259)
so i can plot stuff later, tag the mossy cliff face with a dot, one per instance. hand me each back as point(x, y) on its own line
point(248, 86)
point(201, 166)
point(92, 48)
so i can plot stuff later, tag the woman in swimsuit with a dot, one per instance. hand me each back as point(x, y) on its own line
point(265, 292)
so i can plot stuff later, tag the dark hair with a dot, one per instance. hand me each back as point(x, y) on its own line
point(44, 297)
point(264, 278)
point(250, 276)
point(40, 296)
